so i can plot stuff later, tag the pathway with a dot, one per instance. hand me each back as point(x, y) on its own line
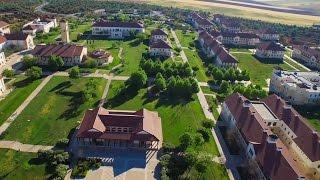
point(15, 145)
point(291, 65)
point(17, 112)
point(204, 105)
point(182, 54)
point(299, 64)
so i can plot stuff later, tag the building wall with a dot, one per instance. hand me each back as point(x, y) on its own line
point(2, 86)
point(219, 63)
point(2, 58)
point(160, 52)
point(158, 37)
point(115, 32)
point(23, 44)
point(269, 54)
point(5, 30)
point(310, 60)
point(269, 37)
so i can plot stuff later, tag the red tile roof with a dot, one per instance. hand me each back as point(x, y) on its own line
point(272, 155)
point(3, 24)
point(30, 27)
point(96, 121)
point(309, 51)
point(307, 138)
point(158, 32)
point(103, 23)
point(62, 50)
point(226, 57)
point(16, 36)
point(267, 31)
point(160, 44)
point(271, 46)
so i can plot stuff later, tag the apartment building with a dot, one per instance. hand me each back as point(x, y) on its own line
point(199, 22)
point(270, 50)
point(307, 55)
point(236, 38)
point(268, 34)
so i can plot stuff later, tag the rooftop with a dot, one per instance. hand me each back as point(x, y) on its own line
point(263, 110)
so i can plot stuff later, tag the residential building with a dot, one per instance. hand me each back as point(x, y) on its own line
point(116, 30)
point(160, 48)
point(23, 41)
point(278, 142)
point(4, 28)
point(102, 57)
point(229, 25)
point(270, 50)
point(2, 85)
point(200, 22)
point(307, 55)
point(158, 34)
point(40, 25)
point(64, 31)
point(3, 41)
point(30, 29)
point(236, 38)
point(71, 54)
point(120, 129)
point(213, 48)
point(2, 58)
point(268, 34)
point(298, 88)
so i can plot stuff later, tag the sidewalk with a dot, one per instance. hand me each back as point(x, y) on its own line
point(182, 54)
point(15, 145)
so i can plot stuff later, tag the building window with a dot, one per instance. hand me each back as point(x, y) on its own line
point(113, 129)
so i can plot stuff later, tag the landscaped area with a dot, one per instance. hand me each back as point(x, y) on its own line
point(185, 38)
point(195, 61)
point(22, 89)
point(19, 165)
point(259, 71)
point(54, 112)
point(312, 114)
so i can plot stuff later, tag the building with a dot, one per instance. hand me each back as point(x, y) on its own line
point(116, 30)
point(158, 34)
point(200, 22)
point(214, 49)
point(3, 41)
point(230, 25)
point(102, 57)
point(64, 31)
point(298, 88)
point(277, 141)
point(2, 58)
point(23, 41)
point(40, 25)
point(120, 129)
point(2, 85)
point(4, 28)
point(268, 34)
point(160, 48)
point(270, 50)
point(307, 55)
point(71, 54)
point(236, 38)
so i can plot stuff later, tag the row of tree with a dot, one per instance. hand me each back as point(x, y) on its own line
point(252, 92)
point(228, 74)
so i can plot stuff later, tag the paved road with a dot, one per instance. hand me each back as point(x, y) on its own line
point(14, 145)
point(17, 112)
point(182, 54)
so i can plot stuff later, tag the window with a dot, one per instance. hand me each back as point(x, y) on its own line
point(274, 124)
point(113, 129)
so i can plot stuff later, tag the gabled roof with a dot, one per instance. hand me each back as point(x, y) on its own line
point(160, 44)
point(158, 32)
point(308, 50)
point(2, 39)
point(267, 31)
point(62, 50)
point(3, 24)
point(16, 36)
point(308, 139)
point(103, 23)
point(271, 46)
point(96, 121)
point(226, 57)
point(30, 27)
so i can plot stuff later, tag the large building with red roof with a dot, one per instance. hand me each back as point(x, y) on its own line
point(71, 54)
point(277, 140)
point(200, 22)
point(236, 38)
point(308, 55)
point(270, 50)
point(120, 129)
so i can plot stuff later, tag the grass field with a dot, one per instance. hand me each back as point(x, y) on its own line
point(53, 112)
point(295, 65)
point(177, 117)
point(22, 89)
point(80, 29)
point(258, 70)
point(195, 61)
point(48, 38)
point(312, 114)
point(18, 165)
point(185, 39)
point(245, 12)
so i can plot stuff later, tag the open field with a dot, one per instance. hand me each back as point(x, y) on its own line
point(22, 89)
point(234, 10)
point(177, 117)
point(185, 39)
point(54, 112)
point(18, 165)
point(258, 70)
point(195, 61)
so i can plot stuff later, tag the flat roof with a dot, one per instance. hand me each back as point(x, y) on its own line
point(264, 111)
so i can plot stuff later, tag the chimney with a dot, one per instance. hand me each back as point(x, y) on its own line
point(246, 103)
point(296, 122)
point(272, 139)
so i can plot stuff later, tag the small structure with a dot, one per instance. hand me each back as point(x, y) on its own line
point(199, 22)
point(30, 29)
point(64, 31)
point(120, 129)
point(2, 85)
point(309, 56)
point(102, 57)
point(268, 34)
point(270, 50)
point(160, 48)
point(71, 54)
point(23, 41)
point(4, 28)
point(116, 30)
point(39, 25)
point(225, 59)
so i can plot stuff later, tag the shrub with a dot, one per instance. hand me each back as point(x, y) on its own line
point(45, 154)
point(61, 171)
point(8, 73)
point(164, 160)
point(74, 72)
point(168, 147)
point(62, 143)
point(34, 72)
point(185, 140)
point(91, 63)
point(198, 139)
point(208, 123)
point(205, 133)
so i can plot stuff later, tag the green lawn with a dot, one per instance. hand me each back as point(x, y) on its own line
point(258, 70)
point(295, 65)
point(48, 38)
point(239, 50)
point(213, 105)
point(185, 39)
point(312, 114)
point(80, 29)
point(177, 117)
point(207, 90)
point(195, 61)
point(18, 165)
point(22, 89)
point(214, 171)
point(52, 114)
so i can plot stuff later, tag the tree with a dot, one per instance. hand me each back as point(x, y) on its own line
point(29, 61)
point(61, 171)
point(185, 140)
point(8, 73)
point(34, 72)
point(198, 139)
point(55, 62)
point(141, 37)
point(91, 63)
point(205, 133)
point(224, 87)
point(90, 91)
point(207, 123)
point(137, 80)
point(160, 82)
point(74, 72)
